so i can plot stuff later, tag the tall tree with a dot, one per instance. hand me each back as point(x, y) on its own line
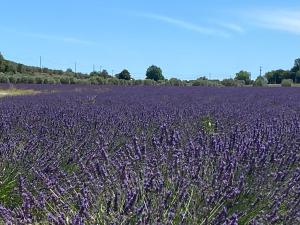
point(276, 76)
point(124, 75)
point(243, 75)
point(104, 74)
point(154, 73)
point(296, 67)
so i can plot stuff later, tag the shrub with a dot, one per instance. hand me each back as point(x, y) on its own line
point(72, 80)
point(260, 82)
point(113, 81)
point(82, 81)
point(49, 80)
point(39, 80)
point(23, 80)
point(101, 80)
point(138, 82)
point(65, 80)
point(93, 80)
point(12, 79)
point(4, 79)
point(175, 82)
point(163, 82)
point(149, 82)
point(286, 83)
point(232, 83)
point(205, 83)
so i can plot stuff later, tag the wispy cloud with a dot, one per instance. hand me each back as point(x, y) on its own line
point(70, 40)
point(187, 25)
point(278, 19)
point(233, 27)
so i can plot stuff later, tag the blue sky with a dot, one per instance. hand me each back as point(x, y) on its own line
point(187, 39)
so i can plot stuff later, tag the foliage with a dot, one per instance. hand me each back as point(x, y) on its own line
point(202, 78)
point(1, 57)
point(124, 75)
point(154, 73)
point(296, 67)
point(232, 83)
point(83, 81)
point(205, 83)
point(113, 81)
point(286, 83)
point(174, 82)
point(297, 77)
point(243, 76)
point(260, 81)
point(276, 76)
point(149, 82)
point(4, 79)
point(64, 80)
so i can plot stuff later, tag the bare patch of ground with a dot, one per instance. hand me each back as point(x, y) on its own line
point(14, 92)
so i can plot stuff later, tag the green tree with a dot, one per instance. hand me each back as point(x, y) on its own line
point(276, 76)
point(20, 68)
point(243, 75)
point(124, 75)
point(45, 70)
point(202, 78)
point(69, 72)
point(154, 73)
point(297, 78)
point(94, 74)
point(104, 74)
point(1, 57)
point(296, 67)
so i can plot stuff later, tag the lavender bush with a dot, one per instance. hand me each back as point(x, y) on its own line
point(150, 155)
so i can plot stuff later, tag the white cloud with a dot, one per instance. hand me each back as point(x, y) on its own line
point(187, 25)
point(283, 20)
point(70, 40)
point(233, 27)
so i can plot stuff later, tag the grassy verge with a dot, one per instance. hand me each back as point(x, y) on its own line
point(15, 92)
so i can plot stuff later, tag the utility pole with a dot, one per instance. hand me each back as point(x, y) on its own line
point(100, 69)
point(75, 68)
point(41, 64)
point(260, 71)
point(112, 72)
point(93, 67)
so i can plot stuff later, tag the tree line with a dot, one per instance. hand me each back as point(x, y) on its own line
point(11, 72)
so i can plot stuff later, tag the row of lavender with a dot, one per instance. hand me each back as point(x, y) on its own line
point(150, 155)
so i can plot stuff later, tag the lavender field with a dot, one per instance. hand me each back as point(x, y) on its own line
point(150, 155)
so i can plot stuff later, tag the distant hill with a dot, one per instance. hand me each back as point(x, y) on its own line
point(10, 67)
